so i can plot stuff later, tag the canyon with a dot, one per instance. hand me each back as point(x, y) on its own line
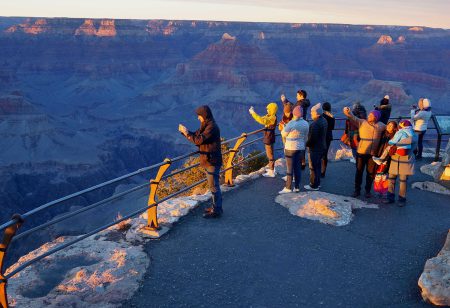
point(85, 100)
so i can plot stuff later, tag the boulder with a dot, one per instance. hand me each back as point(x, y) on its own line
point(435, 279)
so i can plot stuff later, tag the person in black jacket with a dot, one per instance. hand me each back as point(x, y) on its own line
point(207, 138)
point(385, 109)
point(330, 127)
point(317, 146)
point(303, 102)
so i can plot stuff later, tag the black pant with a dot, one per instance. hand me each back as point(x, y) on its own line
point(419, 150)
point(315, 164)
point(364, 161)
point(325, 158)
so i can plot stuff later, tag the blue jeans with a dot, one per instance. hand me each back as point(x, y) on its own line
point(293, 167)
point(212, 178)
point(315, 166)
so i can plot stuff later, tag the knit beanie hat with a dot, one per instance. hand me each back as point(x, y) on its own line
point(326, 106)
point(376, 114)
point(404, 123)
point(317, 108)
point(297, 112)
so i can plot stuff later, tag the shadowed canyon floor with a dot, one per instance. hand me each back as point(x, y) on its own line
point(260, 255)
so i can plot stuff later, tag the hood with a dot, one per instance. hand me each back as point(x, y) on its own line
point(272, 109)
point(205, 112)
point(384, 101)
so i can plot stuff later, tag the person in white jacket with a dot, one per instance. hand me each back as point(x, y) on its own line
point(296, 133)
point(420, 117)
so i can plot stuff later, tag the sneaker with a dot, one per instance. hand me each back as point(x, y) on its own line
point(309, 187)
point(352, 160)
point(269, 174)
point(377, 160)
point(284, 178)
point(285, 191)
point(208, 209)
point(296, 190)
point(356, 194)
point(213, 214)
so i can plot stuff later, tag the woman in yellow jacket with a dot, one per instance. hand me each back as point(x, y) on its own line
point(270, 123)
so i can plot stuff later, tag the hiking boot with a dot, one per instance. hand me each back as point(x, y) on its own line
point(285, 191)
point(309, 187)
point(356, 194)
point(401, 201)
point(213, 214)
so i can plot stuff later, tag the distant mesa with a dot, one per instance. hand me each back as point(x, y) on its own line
point(369, 28)
point(296, 26)
point(385, 40)
point(87, 28)
point(227, 37)
point(39, 26)
point(416, 29)
point(107, 28)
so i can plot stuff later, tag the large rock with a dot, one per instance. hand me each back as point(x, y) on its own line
point(435, 279)
point(440, 170)
point(325, 207)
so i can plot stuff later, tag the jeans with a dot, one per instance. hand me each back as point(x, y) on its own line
point(364, 161)
point(212, 178)
point(354, 153)
point(270, 157)
point(419, 150)
point(293, 165)
point(315, 164)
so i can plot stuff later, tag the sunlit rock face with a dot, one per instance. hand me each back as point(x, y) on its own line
point(87, 28)
point(324, 207)
point(107, 28)
point(435, 279)
point(385, 40)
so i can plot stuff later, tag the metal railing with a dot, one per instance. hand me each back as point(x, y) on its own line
point(12, 226)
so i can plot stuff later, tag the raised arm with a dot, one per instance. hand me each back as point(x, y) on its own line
point(199, 138)
point(352, 118)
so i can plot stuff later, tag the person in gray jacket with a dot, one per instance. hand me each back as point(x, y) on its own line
point(317, 146)
point(420, 117)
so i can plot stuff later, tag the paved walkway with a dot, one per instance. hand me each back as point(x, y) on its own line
point(259, 255)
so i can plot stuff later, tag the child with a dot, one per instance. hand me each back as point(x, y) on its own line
point(405, 131)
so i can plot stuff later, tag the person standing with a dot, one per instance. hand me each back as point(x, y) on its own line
point(385, 109)
point(303, 102)
point(402, 162)
point(207, 138)
point(370, 132)
point(329, 117)
point(287, 117)
point(270, 123)
point(316, 144)
point(381, 157)
point(352, 130)
point(295, 132)
point(420, 117)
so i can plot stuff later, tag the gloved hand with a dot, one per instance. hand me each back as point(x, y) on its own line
point(251, 110)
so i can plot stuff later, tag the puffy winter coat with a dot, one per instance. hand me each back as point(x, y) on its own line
point(269, 121)
point(420, 119)
point(304, 104)
point(207, 138)
point(404, 165)
point(369, 135)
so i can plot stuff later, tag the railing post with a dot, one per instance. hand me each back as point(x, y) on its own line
point(229, 172)
point(438, 147)
point(152, 212)
point(7, 238)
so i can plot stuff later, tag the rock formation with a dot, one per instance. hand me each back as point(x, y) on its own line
point(385, 40)
point(107, 28)
point(434, 282)
point(87, 28)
